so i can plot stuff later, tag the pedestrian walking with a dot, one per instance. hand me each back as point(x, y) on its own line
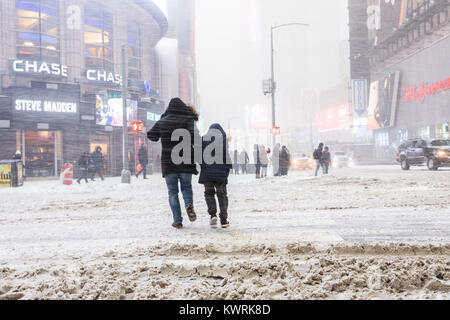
point(98, 161)
point(236, 162)
point(285, 161)
point(326, 159)
point(317, 155)
point(264, 161)
point(214, 177)
point(83, 166)
point(276, 160)
point(17, 155)
point(244, 160)
point(257, 159)
point(178, 116)
point(143, 161)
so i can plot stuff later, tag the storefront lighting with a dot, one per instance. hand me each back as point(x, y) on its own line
point(28, 44)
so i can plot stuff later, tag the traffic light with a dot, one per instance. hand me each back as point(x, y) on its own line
point(276, 131)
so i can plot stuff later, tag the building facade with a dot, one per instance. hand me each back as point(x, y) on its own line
point(408, 85)
point(61, 78)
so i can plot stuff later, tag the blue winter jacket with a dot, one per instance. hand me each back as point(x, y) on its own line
point(215, 172)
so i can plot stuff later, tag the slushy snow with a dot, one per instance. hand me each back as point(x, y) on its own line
point(365, 232)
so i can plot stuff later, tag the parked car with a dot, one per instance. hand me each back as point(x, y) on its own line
point(341, 159)
point(418, 152)
point(301, 162)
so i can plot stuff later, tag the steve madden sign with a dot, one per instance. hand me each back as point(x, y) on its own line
point(39, 106)
point(39, 68)
point(103, 76)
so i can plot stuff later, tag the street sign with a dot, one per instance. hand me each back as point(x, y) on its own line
point(359, 96)
point(267, 86)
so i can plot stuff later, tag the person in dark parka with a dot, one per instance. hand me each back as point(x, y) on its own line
point(318, 157)
point(326, 159)
point(83, 163)
point(285, 161)
point(215, 176)
point(98, 161)
point(178, 116)
point(257, 158)
point(143, 160)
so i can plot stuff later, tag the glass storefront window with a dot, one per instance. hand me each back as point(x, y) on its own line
point(37, 36)
point(134, 51)
point(443, 131)
point(424, 132)
point(42, 152)
point(98, 38)
point(382, 139)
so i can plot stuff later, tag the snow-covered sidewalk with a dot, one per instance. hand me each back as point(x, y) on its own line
point(49, 231)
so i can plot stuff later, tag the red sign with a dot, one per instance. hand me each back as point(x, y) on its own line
point(137, 127)
point(334, 118)
point(421, 91)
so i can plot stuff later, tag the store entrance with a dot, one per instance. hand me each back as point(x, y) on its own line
point(103, 141)
point(42, 152)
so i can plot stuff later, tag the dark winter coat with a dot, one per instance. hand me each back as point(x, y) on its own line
point(216, 172)
point(326, 157)
point(17, 156)
point(236, 157)
point(143, 156)
point(318, 153)
point(98, 158)
point(83, 161)
point(177, 116)
point(285, 158)
point(257, 156)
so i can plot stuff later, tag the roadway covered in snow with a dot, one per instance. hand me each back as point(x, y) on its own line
point(48, 231)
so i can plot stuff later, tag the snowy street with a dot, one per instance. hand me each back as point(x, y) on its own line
point(121, 234)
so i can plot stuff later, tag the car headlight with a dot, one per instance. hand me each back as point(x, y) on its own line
point(441, 154)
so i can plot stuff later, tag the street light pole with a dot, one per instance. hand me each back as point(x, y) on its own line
point(126, 174)
point(272, 84)
point(272, 79)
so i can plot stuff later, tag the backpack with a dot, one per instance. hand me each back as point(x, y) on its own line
point(316, 155)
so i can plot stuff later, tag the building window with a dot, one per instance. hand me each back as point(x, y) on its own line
point(134, 51)
point(382, 139)
point(424, 132)
point(37, 36)
point(98, 31)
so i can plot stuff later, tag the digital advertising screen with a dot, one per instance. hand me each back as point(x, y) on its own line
point(109, 110)
point(383, 102)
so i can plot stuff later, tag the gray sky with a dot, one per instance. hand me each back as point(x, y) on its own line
point(233, 54)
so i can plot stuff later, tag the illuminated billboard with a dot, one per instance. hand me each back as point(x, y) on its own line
point(109, 110)
point(334, 118)
point(383, 102)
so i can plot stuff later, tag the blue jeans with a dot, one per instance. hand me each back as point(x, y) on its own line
point(320, 165)
point(98, 170)
point(185, 180)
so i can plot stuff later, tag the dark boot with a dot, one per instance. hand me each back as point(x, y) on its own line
point(191, 213)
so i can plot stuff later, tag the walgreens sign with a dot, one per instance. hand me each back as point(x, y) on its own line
point(421, 91)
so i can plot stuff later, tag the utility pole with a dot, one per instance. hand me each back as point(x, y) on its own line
point(273, 84)
point(126, 174)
